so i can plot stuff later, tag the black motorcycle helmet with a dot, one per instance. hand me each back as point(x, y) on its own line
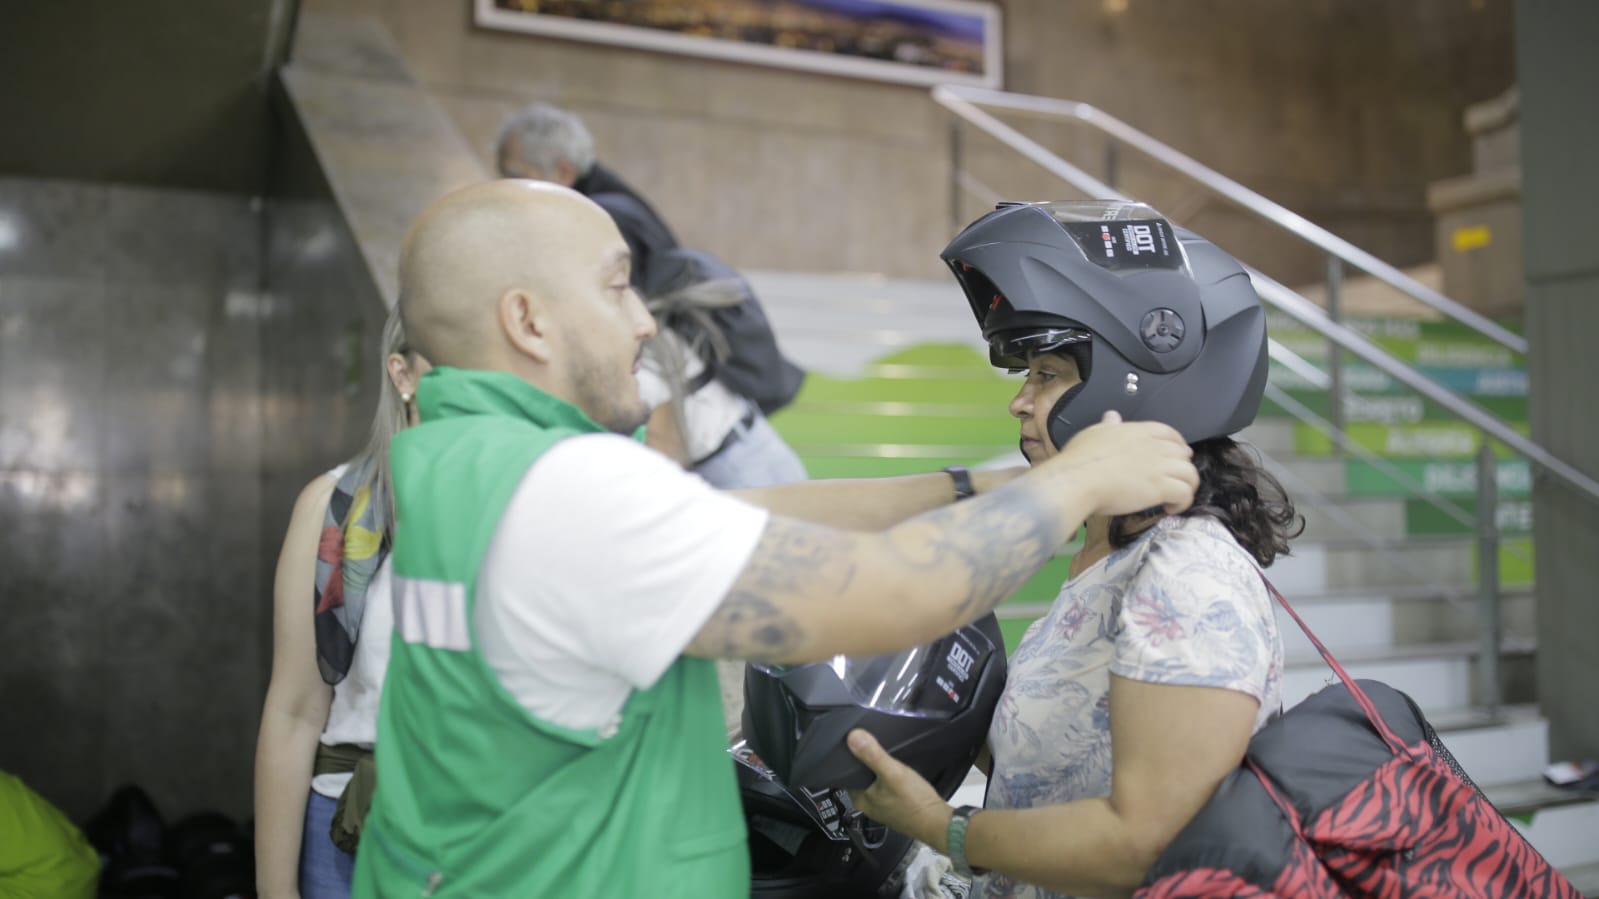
point(813, 843)
point(1163, 325)
point(929, 706)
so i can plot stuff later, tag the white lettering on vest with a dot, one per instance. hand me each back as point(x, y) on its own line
point(432, 613)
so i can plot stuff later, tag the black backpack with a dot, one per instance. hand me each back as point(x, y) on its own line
point(714, 309)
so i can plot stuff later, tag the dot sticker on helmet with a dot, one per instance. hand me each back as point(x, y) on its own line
point(1127, 246)
point(946, 690)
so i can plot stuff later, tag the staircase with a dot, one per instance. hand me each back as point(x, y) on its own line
point(900, 383)
point(1387, 578)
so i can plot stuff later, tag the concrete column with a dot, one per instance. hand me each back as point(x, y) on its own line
point(1558, 74)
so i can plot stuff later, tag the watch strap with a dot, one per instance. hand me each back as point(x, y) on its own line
point(964, 489)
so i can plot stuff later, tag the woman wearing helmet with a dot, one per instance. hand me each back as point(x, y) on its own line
point(1138, 692)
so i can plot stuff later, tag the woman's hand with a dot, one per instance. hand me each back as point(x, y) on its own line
point(899, 798)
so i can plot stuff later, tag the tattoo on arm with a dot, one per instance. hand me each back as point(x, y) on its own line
point(974, 554)
point(752, 623)
point(1000, 539)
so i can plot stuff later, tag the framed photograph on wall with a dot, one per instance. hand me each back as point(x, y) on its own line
point(922, 42)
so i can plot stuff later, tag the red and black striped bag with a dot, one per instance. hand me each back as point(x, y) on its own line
point(1350, 793)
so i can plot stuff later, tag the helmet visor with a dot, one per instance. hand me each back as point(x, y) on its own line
point(1011, 349)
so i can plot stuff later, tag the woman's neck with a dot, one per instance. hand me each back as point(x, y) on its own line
point(1096, 539)
point(1096, 544)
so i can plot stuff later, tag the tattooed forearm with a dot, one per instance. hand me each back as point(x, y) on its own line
point(752, 622)
point(998, 541)
point(809, 591)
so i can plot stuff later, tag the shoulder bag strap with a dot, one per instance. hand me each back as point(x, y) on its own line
point(1366, 705)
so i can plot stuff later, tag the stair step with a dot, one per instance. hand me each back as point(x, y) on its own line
point(1524, 797)
point(1397, 593)
point(1435, 675)
point(1563, 827)
point(1477, 382)
point(1512, 748)
point(1272, 436)
point(1454, 478)
point(1368, 516)
point(1372, 622)
point(1449, 560)
point(1410, 652)
point(1327, 477)
point(1422, 440)
point(1392, 409)
point(1431, 345)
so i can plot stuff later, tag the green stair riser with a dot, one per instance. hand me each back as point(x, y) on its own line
point(1515, 562)
point(1439, 353)
point(1379, 327)
point(1397, 328)
point(1471, 382)
point(1423, 519)
point(1423, 440)
point(1392, 409)
point(1445, 477)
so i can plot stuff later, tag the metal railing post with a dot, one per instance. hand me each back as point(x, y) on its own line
point(1335, 355)
point(956, 166)
point(1488, 627)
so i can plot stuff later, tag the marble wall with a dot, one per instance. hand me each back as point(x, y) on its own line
point(174, 367)
point(130, 497)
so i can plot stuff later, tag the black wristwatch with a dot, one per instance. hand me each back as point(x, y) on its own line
point(963, 482)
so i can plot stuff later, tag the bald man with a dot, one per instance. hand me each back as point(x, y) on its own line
point(551, 723)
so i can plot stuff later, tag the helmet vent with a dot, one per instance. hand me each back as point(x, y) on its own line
point(1162, 330)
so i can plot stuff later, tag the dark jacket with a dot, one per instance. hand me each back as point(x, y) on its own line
point(642, 227)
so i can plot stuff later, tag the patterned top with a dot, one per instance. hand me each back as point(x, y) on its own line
point(1182, 605)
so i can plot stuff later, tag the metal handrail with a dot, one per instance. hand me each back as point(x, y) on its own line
point(962, 101)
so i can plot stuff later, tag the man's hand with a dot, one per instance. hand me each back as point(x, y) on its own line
point(899, 798)
point(1131, 466)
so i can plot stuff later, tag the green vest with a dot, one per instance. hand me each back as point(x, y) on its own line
point(478, 797)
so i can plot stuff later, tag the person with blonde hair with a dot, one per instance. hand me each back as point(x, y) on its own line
point(332, 616)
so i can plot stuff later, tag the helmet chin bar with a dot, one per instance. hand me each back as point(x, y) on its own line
point(1060, 429)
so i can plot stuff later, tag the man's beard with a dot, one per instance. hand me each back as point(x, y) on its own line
point(608, 396)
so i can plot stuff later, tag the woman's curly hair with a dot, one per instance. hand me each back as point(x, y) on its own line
point(1236, 490)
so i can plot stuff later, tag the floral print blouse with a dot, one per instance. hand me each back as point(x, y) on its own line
point(1182, 605)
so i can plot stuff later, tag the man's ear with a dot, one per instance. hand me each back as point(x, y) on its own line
point(526, 320)
point(565, 173)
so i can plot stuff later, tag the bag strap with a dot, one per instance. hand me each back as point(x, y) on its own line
point(1290, 814)
point(1366, 705)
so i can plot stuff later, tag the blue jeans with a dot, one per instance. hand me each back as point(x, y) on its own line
point(755, 456)
point(325, 869)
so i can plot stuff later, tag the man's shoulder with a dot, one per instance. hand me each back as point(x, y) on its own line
point(602, 457)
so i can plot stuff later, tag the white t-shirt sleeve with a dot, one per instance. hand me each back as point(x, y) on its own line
point(1197, 614)
point(611, 555)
